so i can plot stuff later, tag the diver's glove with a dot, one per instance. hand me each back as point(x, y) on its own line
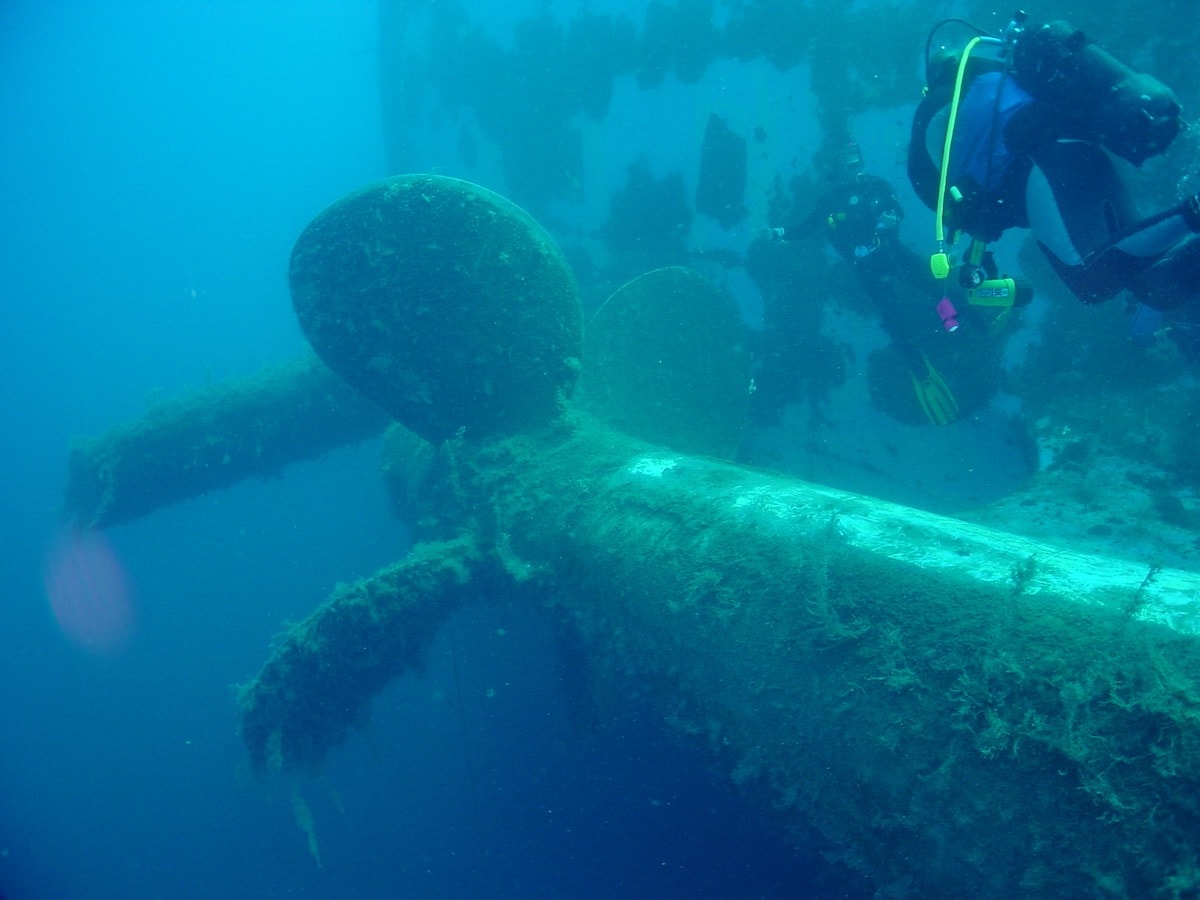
point(935, 397)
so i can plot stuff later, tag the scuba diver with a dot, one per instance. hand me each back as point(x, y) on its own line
point(920, 377)
point(1016, 131)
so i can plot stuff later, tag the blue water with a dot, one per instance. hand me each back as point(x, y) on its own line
point(157, 160)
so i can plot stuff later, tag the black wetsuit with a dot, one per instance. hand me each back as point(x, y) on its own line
point(859, 218)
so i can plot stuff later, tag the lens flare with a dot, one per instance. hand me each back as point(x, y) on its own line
point(89, 593)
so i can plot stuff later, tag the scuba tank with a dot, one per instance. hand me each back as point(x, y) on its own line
point(1132, 114)
point(1093, 95)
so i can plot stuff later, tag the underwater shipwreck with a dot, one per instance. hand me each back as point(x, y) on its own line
point(961, 711)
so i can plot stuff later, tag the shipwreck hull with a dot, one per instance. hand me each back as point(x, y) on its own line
point(964, 711)
point(961, 711)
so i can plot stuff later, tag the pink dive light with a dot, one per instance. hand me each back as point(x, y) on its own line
point(948, 314)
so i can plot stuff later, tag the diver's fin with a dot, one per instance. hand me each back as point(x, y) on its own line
point(936, 399)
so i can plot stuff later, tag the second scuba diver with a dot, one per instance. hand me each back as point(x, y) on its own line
point(920, 376)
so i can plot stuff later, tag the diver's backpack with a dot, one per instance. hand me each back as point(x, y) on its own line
point(1133, 115)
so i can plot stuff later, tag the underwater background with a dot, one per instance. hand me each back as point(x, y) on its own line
point(159, 159)
point(157, 162)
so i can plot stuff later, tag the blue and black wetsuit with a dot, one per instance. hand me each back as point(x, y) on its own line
point(1018, 164)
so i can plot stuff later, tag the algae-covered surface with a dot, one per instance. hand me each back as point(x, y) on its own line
point(668, 361)
point(319, 682)
point(248, 427)
point(1007, 716)
point(1008, 710)
point(444, 302)
point(915, 687)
